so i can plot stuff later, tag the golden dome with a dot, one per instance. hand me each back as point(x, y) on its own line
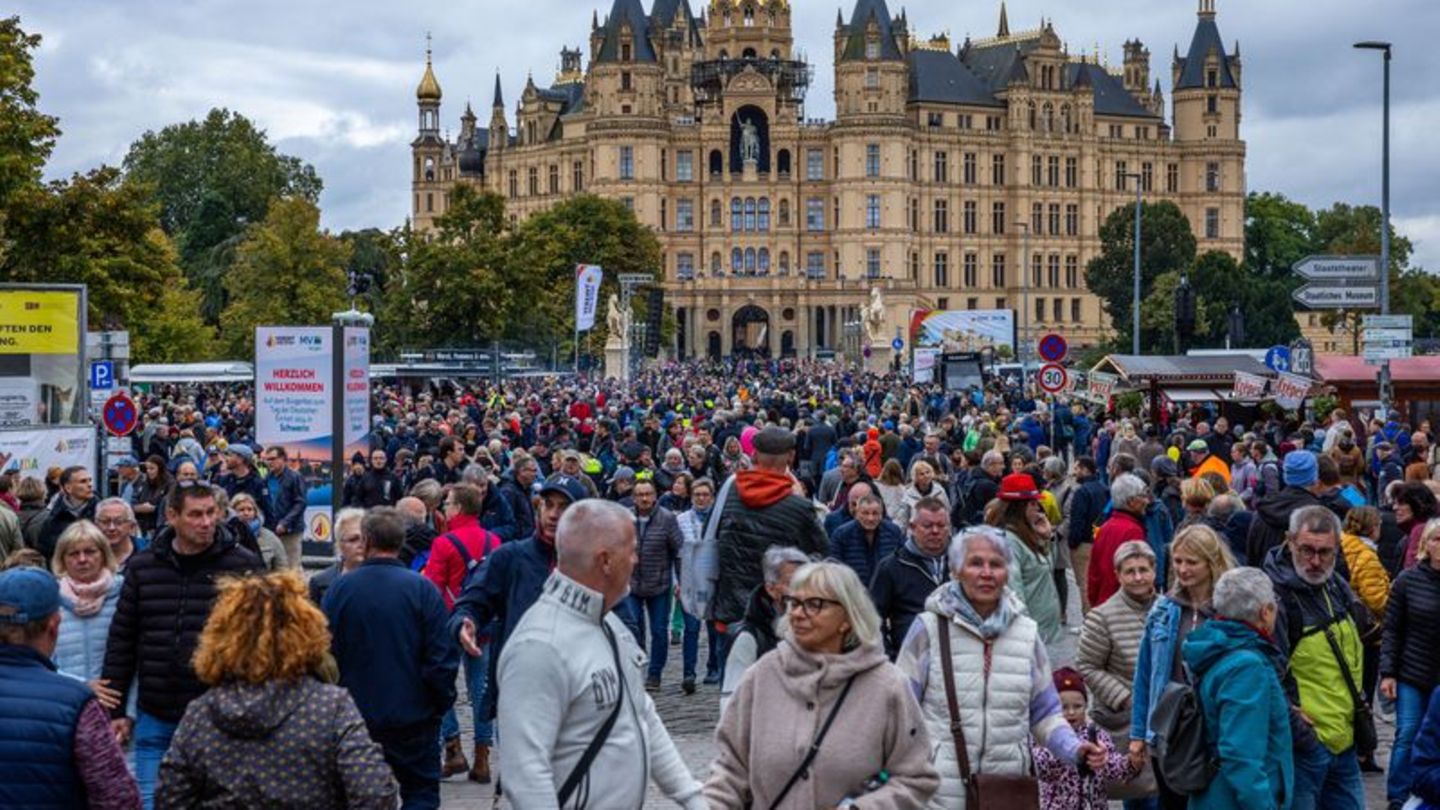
point(429, 89)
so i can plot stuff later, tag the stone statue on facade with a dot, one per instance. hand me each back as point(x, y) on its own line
point(749, 141)
point(873, 316)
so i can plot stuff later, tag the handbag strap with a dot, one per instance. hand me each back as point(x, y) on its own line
point(583, 767)
point(1355, 693)
point(804, 768)
point(957, 730)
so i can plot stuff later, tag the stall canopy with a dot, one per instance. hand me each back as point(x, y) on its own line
point(1182, 370)
point(161, 373)
point(1346, 369)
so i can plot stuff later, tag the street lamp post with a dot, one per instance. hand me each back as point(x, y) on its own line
point(1384, 47)
point(1135, 315)
point(1023, 350)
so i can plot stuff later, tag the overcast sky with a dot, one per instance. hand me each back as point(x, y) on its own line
point(334, 82)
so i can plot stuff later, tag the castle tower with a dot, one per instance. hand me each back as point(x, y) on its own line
point(1206, 99)
point(427, 150)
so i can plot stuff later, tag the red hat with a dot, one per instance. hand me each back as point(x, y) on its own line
point(1018, 487)
point(1068, 680)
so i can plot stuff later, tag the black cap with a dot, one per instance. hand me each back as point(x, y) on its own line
point(774, 441)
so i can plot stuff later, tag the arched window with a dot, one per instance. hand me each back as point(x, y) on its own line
point(737, 215)
point(784, 262)
point(764, 261)
point(749, 261)
point(763, 219)
point(429, 169)
point(784, 213)
point(737, 258)
point(715, 269)
point(748, 54)
point(750, 214)
point(714, 213)
point(717, 161)
point(724, 54)
point(782, 161)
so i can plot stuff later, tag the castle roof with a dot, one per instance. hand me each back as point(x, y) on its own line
point(865, 11)
point(1111, 97)
point(940, 76)
point(1192, 67)
point(621, 12)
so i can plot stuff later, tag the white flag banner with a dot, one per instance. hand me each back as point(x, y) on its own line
point(1290, 390)
point(587, 295)
point(1249, 386)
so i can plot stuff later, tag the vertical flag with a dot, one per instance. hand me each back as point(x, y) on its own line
point(587, 295)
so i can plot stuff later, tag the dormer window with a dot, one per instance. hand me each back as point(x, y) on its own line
point(872, 49)
point(625, 52)
point(1212, 79)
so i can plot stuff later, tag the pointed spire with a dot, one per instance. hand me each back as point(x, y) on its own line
point(595, 19)
point(429, 89)
point(839, 18)
point(1004, 21)
point(499, 102)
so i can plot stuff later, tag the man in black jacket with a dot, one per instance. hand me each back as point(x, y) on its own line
point(164, 604)
point(906, 578)
point(378, 486)
point(515, 486)
point(762, 511)
point(75, 501)
point(979, 488)
point(286, 513)
point(1086, 509)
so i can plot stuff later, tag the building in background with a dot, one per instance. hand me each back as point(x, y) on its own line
point(954, 177)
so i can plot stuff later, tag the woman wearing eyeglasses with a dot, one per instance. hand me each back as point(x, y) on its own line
point(974, 656)
point(825, 716)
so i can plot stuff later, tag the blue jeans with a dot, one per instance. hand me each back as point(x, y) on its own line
point(634, 615)
point(152, 740)
point(1410, 704)
point(475, 672)
point(1328, 781)
point(690, 647)
point(414, 759)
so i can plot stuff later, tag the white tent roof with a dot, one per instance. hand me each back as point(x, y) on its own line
point(192, 372)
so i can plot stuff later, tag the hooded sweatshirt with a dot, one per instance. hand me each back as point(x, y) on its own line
point(307, 734)
point(761, 512)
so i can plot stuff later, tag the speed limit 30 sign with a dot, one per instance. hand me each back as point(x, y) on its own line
point(1053, 378)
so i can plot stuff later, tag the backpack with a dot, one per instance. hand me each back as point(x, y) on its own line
point(471, 564)
point(1260, 487)
point(1182, 755)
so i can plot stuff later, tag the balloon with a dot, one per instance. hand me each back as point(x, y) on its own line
point(747, 439)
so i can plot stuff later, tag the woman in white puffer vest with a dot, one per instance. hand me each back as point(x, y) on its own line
point(1002, 676)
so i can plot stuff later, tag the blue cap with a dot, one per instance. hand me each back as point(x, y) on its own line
point(1301, 469)
point(27, 595)
point(565, 485)
point(128, 461)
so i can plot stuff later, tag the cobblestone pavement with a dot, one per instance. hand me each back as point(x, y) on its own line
point(691, 720)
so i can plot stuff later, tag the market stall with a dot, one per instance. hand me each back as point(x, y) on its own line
point(1188, 380)
point(1415, 383)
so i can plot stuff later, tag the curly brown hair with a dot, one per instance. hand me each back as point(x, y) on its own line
point(263, 628)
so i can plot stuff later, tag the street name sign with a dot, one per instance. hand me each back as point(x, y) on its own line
point(1329, 296)
point(1406, 322)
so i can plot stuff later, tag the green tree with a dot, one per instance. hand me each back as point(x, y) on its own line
point(453, 287)
point(94, 229)
point(27, 135)
point(1278, 233)
point(212, 179)
point(286, 272)
point(1166, 244)
point(1354, 230)
point(582, 230)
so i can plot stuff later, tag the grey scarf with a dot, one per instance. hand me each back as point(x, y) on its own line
point(953, 601)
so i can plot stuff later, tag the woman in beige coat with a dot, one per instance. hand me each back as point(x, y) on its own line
point(830, 654)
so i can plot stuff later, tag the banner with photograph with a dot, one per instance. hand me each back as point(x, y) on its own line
point(1290, 390)
point(965, 330)
point(31, 452)
point(1248, 386)
point(42, 381)
point(587, 295)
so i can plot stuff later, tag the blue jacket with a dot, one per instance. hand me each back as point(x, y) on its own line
point(39, 708)
point(1153, 664)
point(1247, 718)
point(509, 581)
point(496, 516)
point(388, 636)
point(1425, 756)
point(848, 545)
point(80, 649)
point(1087, 506)
point(287, 502)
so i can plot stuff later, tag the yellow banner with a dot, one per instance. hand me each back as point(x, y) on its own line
point(39, 322)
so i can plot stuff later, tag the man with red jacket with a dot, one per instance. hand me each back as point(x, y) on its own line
point(1129, 496)
point(453, 556)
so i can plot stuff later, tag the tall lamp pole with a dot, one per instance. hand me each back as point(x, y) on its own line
point(1135, 314)
point(1023, 350)
point(1371, 45)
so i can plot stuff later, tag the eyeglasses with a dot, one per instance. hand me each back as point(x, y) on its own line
point(1313, 553)
point(113, 523)
point(809, 606)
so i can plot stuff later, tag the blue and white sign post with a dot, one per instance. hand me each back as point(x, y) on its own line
point(102, 375)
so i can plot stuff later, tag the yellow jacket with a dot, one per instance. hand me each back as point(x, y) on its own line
point(1367, 576)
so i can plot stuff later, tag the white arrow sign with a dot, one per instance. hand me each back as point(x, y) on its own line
point(1316, 296)
point(1373, 335)
point(1339, 268)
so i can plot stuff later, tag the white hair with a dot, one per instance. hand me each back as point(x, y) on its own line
point(1126, 488)
point(960, 545)
point(838, 581)
point(1241, 593)
point(777, 557)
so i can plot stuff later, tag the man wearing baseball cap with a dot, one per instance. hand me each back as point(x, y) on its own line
point(512, 579)
point(1203, 461)
point(56, 747)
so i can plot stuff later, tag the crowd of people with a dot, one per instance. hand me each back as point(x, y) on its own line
point(881, 572)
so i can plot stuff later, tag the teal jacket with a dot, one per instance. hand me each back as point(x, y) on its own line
point(1247, 719)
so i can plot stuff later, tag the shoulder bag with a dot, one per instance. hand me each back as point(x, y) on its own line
point(582, 768)
point(803, 772)
point(983, 791)
point(1366, 738)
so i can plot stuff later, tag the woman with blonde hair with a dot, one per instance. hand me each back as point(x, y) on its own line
point(891, 484)
point(1195, 496)
point(272, 550)
point(923, 484)
point(830, 667)
point(1197, 559)
point(89, 592)
point(270, 733)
